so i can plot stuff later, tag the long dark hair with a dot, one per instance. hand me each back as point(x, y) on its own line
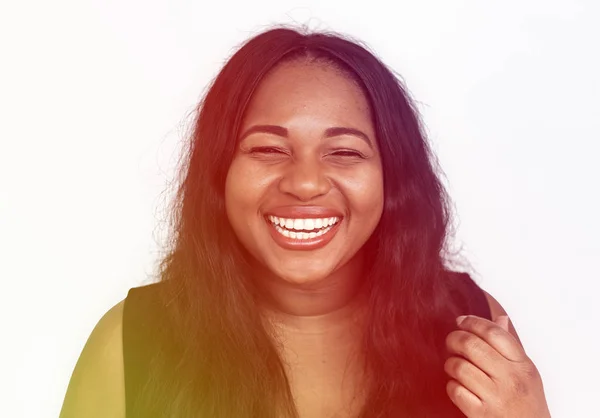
point(225, 364)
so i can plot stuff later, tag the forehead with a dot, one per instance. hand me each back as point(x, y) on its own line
point(317, 90)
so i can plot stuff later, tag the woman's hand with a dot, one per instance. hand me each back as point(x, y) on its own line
point(491, 374)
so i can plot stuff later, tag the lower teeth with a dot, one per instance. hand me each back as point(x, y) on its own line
point(300, 235)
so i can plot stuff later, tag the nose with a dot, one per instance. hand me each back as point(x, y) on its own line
point(305, 180)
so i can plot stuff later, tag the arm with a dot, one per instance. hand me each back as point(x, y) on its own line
point(97, 386)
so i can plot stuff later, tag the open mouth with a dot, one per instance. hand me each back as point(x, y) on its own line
point(306, 233)
point(303, 228)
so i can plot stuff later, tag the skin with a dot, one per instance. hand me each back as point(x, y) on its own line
point(97, 385)
point(490, 373)
point(310, 292)
point(304, 166)
point(313, 301)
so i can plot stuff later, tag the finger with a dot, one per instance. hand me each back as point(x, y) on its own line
point(465, 400)
point(477, 351)
point(502, 341)
point(469, 376)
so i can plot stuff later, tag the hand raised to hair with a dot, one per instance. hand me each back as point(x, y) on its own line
point(491, 376)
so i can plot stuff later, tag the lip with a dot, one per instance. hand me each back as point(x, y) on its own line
point(308, 244)
point(302, 212)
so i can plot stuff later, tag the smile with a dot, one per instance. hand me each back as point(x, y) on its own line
point(303, 233)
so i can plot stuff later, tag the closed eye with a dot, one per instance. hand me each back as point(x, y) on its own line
point(347, 153)
point(266, 150)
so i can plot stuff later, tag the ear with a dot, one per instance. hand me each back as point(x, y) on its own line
point(498, 311)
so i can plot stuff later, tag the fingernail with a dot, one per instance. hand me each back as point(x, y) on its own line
point(460, 319)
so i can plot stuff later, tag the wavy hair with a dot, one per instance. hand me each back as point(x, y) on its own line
point(225, 364)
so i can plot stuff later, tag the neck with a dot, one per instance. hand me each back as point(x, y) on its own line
point(318, 331)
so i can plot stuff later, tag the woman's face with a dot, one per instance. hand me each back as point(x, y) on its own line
point(305, 189)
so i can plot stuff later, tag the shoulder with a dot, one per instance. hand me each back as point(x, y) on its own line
point(463, 281)
point(478, 301)
point(97, 385)
point(144, 312)
point(468, 294)
point(483, 304)
point(146, 296)
point(497, 310)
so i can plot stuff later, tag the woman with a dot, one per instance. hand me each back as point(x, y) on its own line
point(307, 274)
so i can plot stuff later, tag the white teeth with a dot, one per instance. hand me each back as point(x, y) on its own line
point(298, 223)
point(309, 224)
point(300, 235)
point(303, 224)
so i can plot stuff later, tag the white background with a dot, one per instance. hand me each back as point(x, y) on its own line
point(95, 98)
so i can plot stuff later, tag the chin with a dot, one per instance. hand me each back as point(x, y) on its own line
point(302, 275)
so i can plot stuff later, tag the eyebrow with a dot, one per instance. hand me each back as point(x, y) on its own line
point(283, 132)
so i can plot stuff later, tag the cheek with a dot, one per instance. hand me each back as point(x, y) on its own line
point(235, 200)
point(366, 196)
point(244, 188)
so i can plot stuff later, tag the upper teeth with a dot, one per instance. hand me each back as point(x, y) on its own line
point(305, 224)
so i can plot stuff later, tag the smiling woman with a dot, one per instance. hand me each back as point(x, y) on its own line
point(307, 275)
point(306, 158)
